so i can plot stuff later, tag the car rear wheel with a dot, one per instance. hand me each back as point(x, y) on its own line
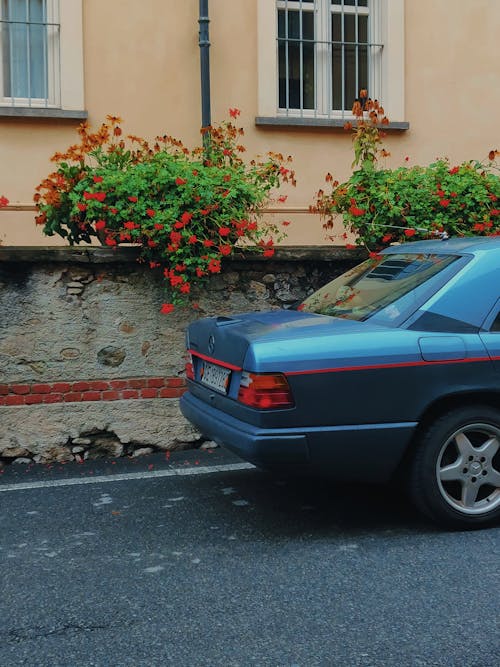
point(455, 476)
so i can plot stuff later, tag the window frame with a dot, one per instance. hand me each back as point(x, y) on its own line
point(51, 68)
point(387, 21)
point(65, 82)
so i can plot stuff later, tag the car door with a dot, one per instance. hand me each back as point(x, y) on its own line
point(491, 335)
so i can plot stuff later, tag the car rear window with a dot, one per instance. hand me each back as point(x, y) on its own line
point(375, 285)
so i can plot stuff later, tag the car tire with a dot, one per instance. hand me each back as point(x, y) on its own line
point(455, 473)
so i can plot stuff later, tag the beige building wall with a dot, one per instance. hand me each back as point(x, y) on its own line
point(141, 61)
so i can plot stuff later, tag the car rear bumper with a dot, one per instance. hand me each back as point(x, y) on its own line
point(367, 452)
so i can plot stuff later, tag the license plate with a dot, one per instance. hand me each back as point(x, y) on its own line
point(215, 377)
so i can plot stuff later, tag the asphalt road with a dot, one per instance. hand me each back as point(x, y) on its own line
point(135, 565)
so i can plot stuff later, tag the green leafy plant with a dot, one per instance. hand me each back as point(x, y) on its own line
point(383, 206)
point(187, 209)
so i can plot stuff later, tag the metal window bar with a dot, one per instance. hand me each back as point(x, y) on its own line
point(28, 47)
point(342, 32)
point(329, 44)
point(50, 51)
point(301, 61)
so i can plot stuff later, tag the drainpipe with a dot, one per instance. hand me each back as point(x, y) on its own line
point(204, 43)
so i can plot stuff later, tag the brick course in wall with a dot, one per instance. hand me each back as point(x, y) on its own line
point(91, 390)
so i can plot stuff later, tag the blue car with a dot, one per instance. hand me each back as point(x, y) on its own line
point(390, 370)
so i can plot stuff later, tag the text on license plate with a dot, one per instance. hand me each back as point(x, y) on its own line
point(216, 377)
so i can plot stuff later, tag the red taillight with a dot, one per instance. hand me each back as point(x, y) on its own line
point(189, 367)
point(265, 391)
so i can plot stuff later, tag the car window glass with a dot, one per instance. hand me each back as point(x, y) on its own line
point(496, 323)
point(376, 285)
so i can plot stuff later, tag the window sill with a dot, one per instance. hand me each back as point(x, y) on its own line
point(333, 123)
point(42, 112)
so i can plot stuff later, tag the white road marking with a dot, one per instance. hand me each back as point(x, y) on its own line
point(123, 477)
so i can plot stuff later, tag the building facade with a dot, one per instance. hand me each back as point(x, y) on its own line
point(293, 68)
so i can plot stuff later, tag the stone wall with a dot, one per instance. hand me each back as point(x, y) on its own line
point(89, 366)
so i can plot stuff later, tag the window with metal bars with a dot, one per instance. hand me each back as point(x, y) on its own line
point(327, 52)
point(29, 41)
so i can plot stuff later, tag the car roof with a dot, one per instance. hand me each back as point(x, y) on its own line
point(451, 246)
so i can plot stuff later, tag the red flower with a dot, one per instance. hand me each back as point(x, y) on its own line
point(167, 308)
point(158, 225)
point(199, 272)
point(100, 224)
point(269, 252)
point(98, 196)
point(444, 202)
point(453, 194)
point(227, 151)
point(234, 113)
point(153, 265)
point(151, 243)
point(226, 178)
point(114, 211)
point(81, 207)
point(192, 239)
point(132, 199)
point(178, 225)
point(97, 179)
point(410, 232)
point(180, 268)
point(214, 266)
point(252, 226)
point(357, 212)
point(175, 237)
point(494, 211)
point(225, 249)
point(374, 255)
point(350, 246)
point(130, 225)
point(204, 211)
point(180, 181)
point(386, 238)
point(125, 237)
point(284, 171)
point(3, 201)
point(493, 197)
point(224, 231)
point(110, 241)
point(150, 212)
point(176, 280)
point(282, 199)
point(208, 243)
point(285, 223)
point(478, 227)
point(186, 288)
point(454, 170)
point(186, 217)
